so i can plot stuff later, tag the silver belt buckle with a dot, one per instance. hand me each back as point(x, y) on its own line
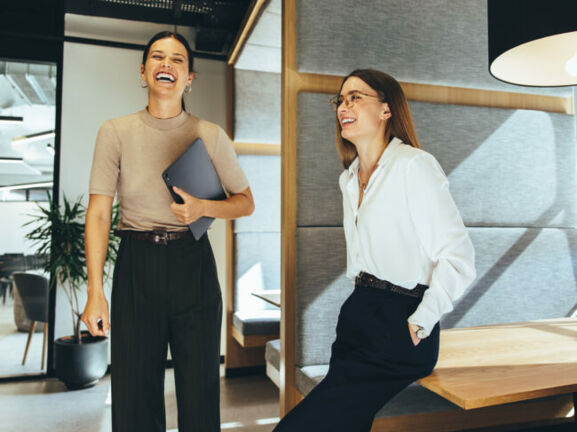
point(160, 237)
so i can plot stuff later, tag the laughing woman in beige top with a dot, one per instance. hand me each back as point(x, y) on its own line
point(165, 288)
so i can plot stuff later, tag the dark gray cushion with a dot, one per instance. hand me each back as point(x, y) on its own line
point(441, 42)
point(321, 289)
point(319, 197)
point(506, 167)
point(272, 353)
point(522, 274)
point(257, 323)
point(257, 107)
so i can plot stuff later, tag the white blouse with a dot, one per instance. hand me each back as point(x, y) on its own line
point(408, 230)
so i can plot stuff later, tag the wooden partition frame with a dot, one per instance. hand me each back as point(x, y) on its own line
point(292, 83)
point(241, 352)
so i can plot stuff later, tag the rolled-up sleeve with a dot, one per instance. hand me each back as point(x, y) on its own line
point(443, 237)
point(106, 162)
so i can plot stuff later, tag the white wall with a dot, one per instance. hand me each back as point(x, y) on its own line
point(14, 215)
point(100, 83)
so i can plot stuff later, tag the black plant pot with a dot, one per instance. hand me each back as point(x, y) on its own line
point(80, 365)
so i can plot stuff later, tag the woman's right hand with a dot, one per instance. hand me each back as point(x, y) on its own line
point(95, 313)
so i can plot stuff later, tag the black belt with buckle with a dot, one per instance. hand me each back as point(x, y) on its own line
point(368, 280)
point(156, 237)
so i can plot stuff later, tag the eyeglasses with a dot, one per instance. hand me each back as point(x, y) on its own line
point(349, 99)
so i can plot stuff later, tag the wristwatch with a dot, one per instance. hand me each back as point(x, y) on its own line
point(419, 331)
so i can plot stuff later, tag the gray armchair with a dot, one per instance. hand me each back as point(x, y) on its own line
point(33, 289)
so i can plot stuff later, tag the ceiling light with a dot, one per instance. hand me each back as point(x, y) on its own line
point(27, 139)
point(11, 119)
point(40, 185)
point(533, 42)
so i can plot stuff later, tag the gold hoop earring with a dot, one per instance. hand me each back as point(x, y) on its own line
point(143, 83)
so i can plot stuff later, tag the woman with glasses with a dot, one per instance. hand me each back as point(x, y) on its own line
point(165, 287)
point(408, 253)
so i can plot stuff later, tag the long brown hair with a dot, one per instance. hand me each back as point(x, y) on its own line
point(399, 125)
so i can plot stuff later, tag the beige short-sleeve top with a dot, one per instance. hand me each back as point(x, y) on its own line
point(131, 153)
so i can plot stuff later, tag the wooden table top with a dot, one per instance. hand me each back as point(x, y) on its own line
point(271, 296)
point(494, 365)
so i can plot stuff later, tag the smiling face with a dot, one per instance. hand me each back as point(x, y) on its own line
point(166, 69)
point(365, 116)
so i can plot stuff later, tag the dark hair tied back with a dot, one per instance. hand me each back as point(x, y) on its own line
point(178, 37)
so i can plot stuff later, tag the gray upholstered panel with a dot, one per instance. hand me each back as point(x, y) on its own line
point(272, 353)
point(257, 261)
point(321, 289)
point(440, 42)
point(257, 106)
point(319, 196)
point(263, 174)
point(251, 323)
point(506, 167)
point(523, 274)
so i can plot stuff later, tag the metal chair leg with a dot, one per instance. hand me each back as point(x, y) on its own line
point(44, 344)
point(30, 333)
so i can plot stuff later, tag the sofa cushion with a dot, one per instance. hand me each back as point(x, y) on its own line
point(265, 322)
point(272, 353)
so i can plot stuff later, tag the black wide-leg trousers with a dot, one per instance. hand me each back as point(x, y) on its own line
point(373, 358)
point(161, 295)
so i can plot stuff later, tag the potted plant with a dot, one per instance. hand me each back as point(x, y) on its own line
point(80, 359)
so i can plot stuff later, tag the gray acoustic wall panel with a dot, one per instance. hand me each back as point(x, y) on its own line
point(257, 268)
point(506, 167)
point(263, 173)
point(441, 42)
point(321, 289)
point(257, 107)
point(523, 274)
point(319, 201)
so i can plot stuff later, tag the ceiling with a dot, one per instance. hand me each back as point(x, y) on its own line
point(28, 83)
point(215, 23)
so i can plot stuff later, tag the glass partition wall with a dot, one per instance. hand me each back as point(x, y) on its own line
point(27, 149)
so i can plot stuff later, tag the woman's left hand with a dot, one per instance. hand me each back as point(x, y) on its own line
point(414, 336)
point(190, 210)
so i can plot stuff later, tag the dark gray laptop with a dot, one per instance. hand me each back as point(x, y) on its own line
point(194, 173)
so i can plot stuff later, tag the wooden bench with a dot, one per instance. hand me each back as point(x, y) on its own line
point(500, 364)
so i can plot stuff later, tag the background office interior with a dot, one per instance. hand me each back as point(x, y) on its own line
point(512, 170)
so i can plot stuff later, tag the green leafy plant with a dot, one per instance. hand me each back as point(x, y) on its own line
point(58, 233)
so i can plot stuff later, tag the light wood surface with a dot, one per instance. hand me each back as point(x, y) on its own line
point(257, 149)
point(254, 10)
point(289, 90)
point(330, 84)
point(497, 418)
point(273, 296)
point(493, 365)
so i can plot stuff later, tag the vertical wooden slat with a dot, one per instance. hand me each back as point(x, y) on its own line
point(289, 90)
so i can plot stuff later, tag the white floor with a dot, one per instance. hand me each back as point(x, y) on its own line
point(13, 343)
point(248, 404)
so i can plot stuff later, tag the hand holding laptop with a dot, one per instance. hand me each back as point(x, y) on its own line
point(190, 210)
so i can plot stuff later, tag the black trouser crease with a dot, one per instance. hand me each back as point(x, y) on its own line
point(165, 295)
point(373, 358)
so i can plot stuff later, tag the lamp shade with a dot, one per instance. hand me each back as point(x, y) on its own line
point(533, 42)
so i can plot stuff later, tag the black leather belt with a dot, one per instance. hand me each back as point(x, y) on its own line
point(368, 280)
point(156, 237)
